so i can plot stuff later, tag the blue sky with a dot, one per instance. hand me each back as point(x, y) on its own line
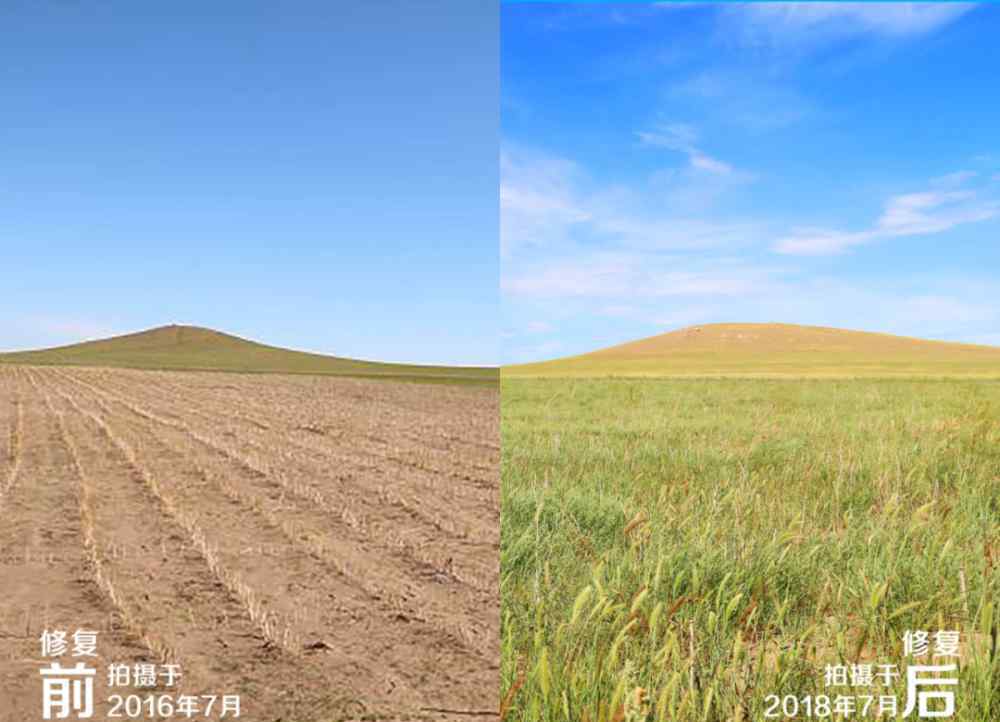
point(664, 165)
point(317, 175)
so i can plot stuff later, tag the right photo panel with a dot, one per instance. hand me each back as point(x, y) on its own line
point(750, 394)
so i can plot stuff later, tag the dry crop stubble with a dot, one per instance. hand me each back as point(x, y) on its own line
point(43, 561)
point(351, 480)
point(218, 543)
point(14, 418)
point(267, 623)
point(312, 420)
point(257, 471)
point(288, 569)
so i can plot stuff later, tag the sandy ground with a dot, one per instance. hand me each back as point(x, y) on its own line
point(324, 548)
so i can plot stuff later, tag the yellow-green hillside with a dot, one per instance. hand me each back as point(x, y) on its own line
point(190, 348)
point(774, 349)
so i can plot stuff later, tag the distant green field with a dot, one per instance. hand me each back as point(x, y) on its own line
point(680, 549)
point(773, 350)
point(189, 348)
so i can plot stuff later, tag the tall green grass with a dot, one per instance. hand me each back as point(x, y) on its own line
point(680, 549)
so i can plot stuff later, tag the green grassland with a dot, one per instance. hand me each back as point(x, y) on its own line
point(773, 350)
point(190, 348)
point(678, 549)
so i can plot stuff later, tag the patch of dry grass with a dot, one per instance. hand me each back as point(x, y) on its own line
point(774, 350)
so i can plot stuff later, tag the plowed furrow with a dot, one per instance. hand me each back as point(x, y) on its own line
point(414, 443)
point(472, 561)
point(424, 490)
point(13, 420)
point(343, 540)
point(296, 591)
point(46, 580)
point(410, 449)
point(351, 545)
point(171, 588)
point(402, 407)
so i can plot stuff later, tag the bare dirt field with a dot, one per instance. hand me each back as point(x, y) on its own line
point(325, 548)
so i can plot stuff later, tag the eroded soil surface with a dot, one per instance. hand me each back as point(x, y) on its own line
point(325, 548)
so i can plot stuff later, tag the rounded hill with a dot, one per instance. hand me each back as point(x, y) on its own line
point(774, 349)
point(181, 348)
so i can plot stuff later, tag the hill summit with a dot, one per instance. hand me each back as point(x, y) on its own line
point(774, 349)
point(193, 348)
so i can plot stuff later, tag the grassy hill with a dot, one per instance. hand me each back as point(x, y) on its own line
point(774, 349)
point(190, 348)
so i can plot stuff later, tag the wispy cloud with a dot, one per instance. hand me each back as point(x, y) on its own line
point(700, 161)
point(954, 180)
point(538, 198)
point(744, 99)
point(796, 23)
point(696, 186)
point(632, 275)
point(928, 306)
point(908, 214)
point(735, 117)
point(805, 241)
point(676, 136)
point(684, 139)
point(547, 201)
point(932, 212)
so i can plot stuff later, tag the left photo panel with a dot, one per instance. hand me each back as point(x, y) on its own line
point(249, 393)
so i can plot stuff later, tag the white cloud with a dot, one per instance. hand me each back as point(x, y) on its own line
point(953, 180)
point(819, 242)
point(631, 275)
point(709, 164)
point(744, 99)
point(908, 214)
point(676, 136)
point(694, 188)
point(547, 202)
point(676, 233)
point(928, 305)
point(594, 263)
point(932, 212)
point(538, 200)
point(797, 23)
point(684, 139)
